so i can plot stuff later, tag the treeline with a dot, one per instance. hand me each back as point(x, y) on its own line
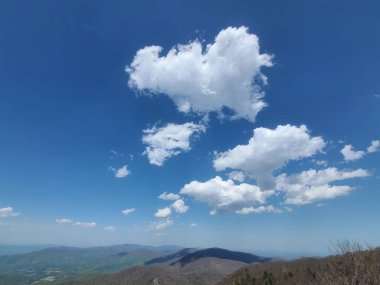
point(349, 264)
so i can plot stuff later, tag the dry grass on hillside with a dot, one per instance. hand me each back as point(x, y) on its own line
point(349, 264)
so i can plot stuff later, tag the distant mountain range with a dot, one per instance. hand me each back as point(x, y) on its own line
point(186, 267)
point(131, 264)
point(19, 249)
point(138, 264)
point(63, 263)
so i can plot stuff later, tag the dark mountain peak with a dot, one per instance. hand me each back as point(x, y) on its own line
point(222, 254)
point(172, 256)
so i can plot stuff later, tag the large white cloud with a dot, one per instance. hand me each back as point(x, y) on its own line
point(268, 150)
point(350, 154)
point(225, 195)
point(8, 212)
point(169, 141)
point(225, 73)
point(314, 185)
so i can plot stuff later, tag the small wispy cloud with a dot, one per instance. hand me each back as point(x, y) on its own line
point(163, 224)
point(375, 145)
point(169, 140)
point(179, 206)
point(169, 196)
point(85, 224)
point(163, 213)
point(64, 221)
point(114, 152)
point(126, 212)
point(121, 172)
point(8, 212)
point(320, 162)
point(109, 229)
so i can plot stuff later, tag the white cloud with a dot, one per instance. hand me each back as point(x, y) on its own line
point(85, 224)
point(8, 212)
point(260, 209)
point(314, 185)
point(321, 162)
point(179, 206)
point(268, 150)
point(121, 172)
point(375, 145)
point(193, 225)
point(109, 229)
point(126, 212)
point(64, 221)
point(163, 224)
point(168, 141)
point(226, 73)
point(115, 152)
point(225, 195)
point(163, 213)
point(238, 176)
point(169, 196)
point(350, 154)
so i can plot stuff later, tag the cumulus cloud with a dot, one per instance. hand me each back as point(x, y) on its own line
point(315, 185)
point(163, 224)
point(260, 209)
point(193, 225)
point(179, 206)
point(121, 172)
point(223, 74)
point(109, 229)
point(64, 221)
point(225, 195)
point(170, 140)
point(238, 176)
point(163, 213)
point(85, 224)
point(8, 212)
point(126, 212)
point(350, 154)
point(375, 145)
point(268, 150)
point(169, 196)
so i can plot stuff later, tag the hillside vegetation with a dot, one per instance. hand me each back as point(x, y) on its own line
point(350, 264)
point(61, 263)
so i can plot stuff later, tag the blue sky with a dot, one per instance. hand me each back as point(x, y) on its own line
point(84, 92)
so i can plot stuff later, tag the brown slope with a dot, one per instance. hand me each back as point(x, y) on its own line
point(351, 265)
point(204, 271)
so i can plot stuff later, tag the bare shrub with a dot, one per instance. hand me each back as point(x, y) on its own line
point(351, 264)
